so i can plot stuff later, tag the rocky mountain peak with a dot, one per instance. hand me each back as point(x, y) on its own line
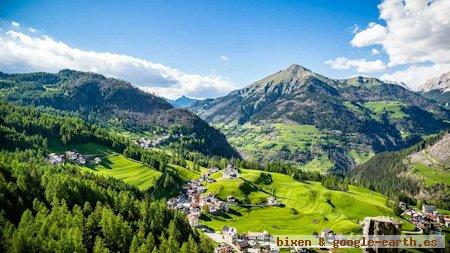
point(441, 83)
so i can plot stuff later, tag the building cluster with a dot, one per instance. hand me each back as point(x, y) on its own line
point(146, 143)
point(72, 156)
point(428, 220)
point(192, 200)
point(252, 242)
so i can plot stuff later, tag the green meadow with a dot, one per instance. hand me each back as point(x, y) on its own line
point(393, 108)
point(125, 169)
point(308, 206)
point(432, 175)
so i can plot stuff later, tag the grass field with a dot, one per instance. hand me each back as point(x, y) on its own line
point(308, 206)
point(432, 175)
point(393, 108)
point(130, 171)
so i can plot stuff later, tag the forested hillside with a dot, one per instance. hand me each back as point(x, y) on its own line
point(401, 175)
point(113, 103)
point(61, 208)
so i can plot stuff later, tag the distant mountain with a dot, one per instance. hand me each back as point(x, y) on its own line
point(112, 102)
point(301, 116)
point(183, 102)
point(438, 89)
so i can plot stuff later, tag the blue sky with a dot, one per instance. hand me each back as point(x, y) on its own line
point(236, 41)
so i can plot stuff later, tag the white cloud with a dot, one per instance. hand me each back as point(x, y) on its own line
point(33, 30)
point(415, 76)
point(414, 34)
point(374, 34)
point(15, 24)
point(361, 65)
point(374, 51)
point(224, 58)
point(21, 52)
point(416, 31)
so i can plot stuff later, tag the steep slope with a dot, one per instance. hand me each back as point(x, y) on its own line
point(183, 102)
point(438, 89)
point(352, 117)
point(419, 173)
point(113, 102)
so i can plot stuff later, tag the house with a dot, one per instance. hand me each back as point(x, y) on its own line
point(402, 205)
point(214, 169)
point(193, 219)
point(326, 233)
point(230, 198)
point(272, 201)
point(97, 160)
point(81, 160)
point(171, 203)
point(258, 236)
point(213, 209)
point(242, 245)
point(55, 159)
point(229, 234)
point(223, 248)
point(428, 209)
point(230, 172)
point(70, 155)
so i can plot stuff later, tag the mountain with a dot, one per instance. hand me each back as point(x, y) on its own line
point(183, 102)
point(438, 89)
point(113, 103)
point(301, 116)
point(418, 173)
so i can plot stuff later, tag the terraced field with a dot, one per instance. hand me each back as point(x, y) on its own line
point(130, 171)
point(308, 207)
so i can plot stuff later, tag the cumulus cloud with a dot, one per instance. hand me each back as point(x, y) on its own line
point(20, 52)
point(361, 65)
point(415, 76)
point(15, 24)
point(33, 30)
point(416, 31)
point(414, 34)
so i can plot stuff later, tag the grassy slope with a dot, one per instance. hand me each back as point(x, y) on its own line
point(394, 108)
point(432, 175)
point(269, 139)
point(128, 170)
point(113, 164)
point(308, 207)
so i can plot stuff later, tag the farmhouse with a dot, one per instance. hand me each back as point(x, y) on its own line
point(272, 201)
point(229, 234)
point(55, 159)
point(97, 160)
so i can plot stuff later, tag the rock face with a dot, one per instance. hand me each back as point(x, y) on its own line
point(437, 154)
point(438, 83)
point(438, 89)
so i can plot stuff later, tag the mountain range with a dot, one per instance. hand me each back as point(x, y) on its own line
point(438, 89)
point(113, 103)
point(300, 116)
